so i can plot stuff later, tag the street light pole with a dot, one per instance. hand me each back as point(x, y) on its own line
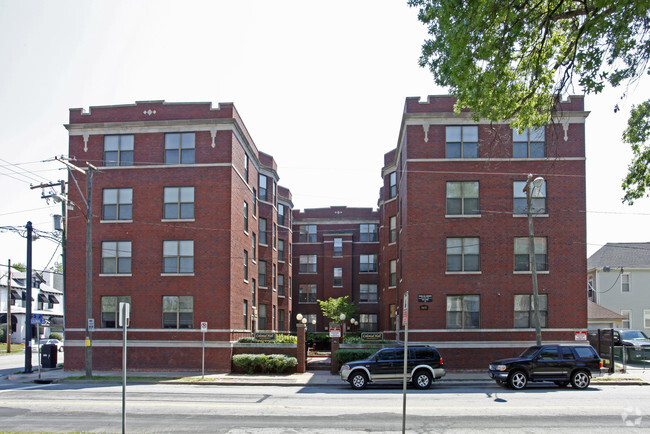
point(531, 184)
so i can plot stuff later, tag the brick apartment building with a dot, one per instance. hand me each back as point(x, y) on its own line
point(188, 225)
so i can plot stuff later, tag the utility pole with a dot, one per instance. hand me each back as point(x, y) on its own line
point(531, 184)
point(28, 301)
point(9, 323)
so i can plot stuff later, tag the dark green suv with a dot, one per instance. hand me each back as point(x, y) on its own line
point(560, 364)
point(424, 365)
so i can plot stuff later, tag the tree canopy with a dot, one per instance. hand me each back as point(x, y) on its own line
point(511, 59)
point(332, 308)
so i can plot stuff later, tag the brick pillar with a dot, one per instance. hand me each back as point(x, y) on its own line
point(334, 367)
point(302, 349)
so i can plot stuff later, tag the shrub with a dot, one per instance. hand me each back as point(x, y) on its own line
point(279, 339)
point(350, 355)
point(3, 333)
point(56, 335)
point(274, 363)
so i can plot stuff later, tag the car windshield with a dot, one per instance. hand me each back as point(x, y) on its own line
point(530, 352)
point(633, 334)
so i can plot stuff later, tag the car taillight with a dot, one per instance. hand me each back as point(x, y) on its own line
point(601, 363)
point(441, 360)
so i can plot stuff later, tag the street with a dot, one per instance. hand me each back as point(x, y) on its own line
point(84, 406)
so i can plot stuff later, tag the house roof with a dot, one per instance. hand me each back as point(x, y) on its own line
point(616, 255)
point(596, 311)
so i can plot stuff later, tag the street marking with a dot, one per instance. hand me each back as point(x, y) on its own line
point(28, 387)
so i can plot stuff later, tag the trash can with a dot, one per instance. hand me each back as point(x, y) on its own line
point(48, 356)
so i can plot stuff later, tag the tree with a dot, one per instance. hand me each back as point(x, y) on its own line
point(511, 59)
point(637, 181)
point(57, 268)
point(19, 266)
point(332, 308)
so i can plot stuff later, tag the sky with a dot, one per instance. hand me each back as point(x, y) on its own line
point(319, 85)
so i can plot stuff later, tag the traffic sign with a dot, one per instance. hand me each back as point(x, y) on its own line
point(91, 324)
point(335, 332)
point(204, 326)
point(37, 318)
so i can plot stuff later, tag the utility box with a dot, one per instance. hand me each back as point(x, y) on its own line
point(48, 356)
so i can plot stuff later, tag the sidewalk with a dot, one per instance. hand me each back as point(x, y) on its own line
point(310, 378)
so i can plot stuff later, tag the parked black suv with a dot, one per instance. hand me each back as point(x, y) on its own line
point(558, 363)
point(424, 365)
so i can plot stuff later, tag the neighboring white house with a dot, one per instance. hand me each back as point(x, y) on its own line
point(46, 301)
point(599, 317)
point(618, 278)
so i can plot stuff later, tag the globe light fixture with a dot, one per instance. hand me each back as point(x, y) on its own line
point(299, 317)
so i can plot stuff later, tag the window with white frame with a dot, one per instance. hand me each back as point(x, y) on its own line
point(392, 185)
point(110, 310)
point(463, 254)
point(392, 276)
point(116, 257)
point(254, 245)
point(117, 204)
point(280, 285)
point(462, 141)
point(463, 311)
point(368, 322)
point(245, 216)
point(308, 263)
point(462, 198)
point(281, 250)
point(262, 230)
point(338, 247)
point(525, 310)
point(281, 211)
point(368, 232)
point(262, 186)
point(367, 263)
point(307, 293)
point(591, 292)
point(625, 283)
point(179, 148)
point(245, 265)
point(179, 203)
point(246, 169)
point(520, 202)
point(275, 277)
point(178, 312)
point(118, 150)
point(245, 314)
point(307, 233)
point(368, 293)
point(627, 322)
point(178, 256)
point(261, 273)
point(522, 258)
point(530, 143)
point(338, 277)
point(393, 230)
point(261, 317)
point(312, 325)
point(281, 320)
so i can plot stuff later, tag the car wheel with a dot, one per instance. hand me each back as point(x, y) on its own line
point(358, 380)
point(422, 380)
point(517, 380)
point(562, 383)
point(580, 380)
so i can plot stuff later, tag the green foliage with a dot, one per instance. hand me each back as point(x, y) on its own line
point(637, 133)
point(272, 363)
point(279, 339)
point(57, 268)
point(350, 355)
point(19, 266)
point(332, 308)
point(55, 335)
point(3, 333)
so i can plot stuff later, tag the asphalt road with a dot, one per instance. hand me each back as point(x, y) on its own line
point(74, 407)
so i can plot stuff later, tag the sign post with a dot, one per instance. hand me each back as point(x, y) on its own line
point(124, 321)
point(405, 323)
point(204, 328)
point(37, 320)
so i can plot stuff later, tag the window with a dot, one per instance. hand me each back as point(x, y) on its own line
point(311, 322)
point(338, 277)
point(179, 202)
point(110, 310)
point(392, 237)
point(275, 277)
point(307, 234)
point(392, 185)
point(591, 292)
point(281, 250)
point(307, 293)
point(537, 197)
point(275, 235)
point(245, 216)
point(462, 198)
point(118, 204)
point(625, 283)
point(368, 232)
point(627, 322)
point(245, 265)
point(392, 277)
point(549, 353)
point(262, 186)
point(254, 202)
point(525, 311)
point(522, 258)
point(338, 247)
point(463, 254)
point(280, 284)
point(529, 144)
point(567, 354)
point(179, 148)
point(462, 142)
point(646, 319)
point(262, 229)
point(368, 293)
point(178, 312)
point(261, 274)
point(118, 150)
point(281, 321)
point(44, 302)
point(368, 322)
point(245, 314)
point(261, 317)
point(253, 292)
point(254, 246)
point(308, 263)
point(247, 163)
point(281, 211)
point(367, 263)
point(116, 257)
point(273, 319)
point(178, 256)
point(463, 311)
point(392, 317)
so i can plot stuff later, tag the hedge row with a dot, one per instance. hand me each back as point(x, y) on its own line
point(274, 363)
point(350, 355)
point(279, 339)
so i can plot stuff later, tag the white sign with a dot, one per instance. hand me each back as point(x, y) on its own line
point(91, 324)
point(335, 332)
point(405, 309)
point(580, 336)
point(204, 326)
